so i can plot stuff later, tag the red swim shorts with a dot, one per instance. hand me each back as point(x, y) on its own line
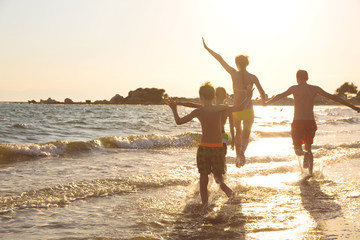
point(303, 131)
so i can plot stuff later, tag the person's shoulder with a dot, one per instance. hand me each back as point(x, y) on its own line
point(253, 77)
point(293, 87)
point(314, 87)
point(197, 111)
point(218, 108)
point(234, 72)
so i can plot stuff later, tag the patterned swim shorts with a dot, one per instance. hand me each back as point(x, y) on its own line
point(211, 160)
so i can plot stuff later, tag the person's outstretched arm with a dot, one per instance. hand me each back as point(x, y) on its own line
point(227, 67)
point(261, 91)
point(173, 105)
point(188, 104)
point(335, 98)
point(280, 96)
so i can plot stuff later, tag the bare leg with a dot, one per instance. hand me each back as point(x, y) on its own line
point(223, 186)
point(298, 150)
point(204, 180)
point(238, 133)
point(310, 158)
point(245, 138)
point(226, 189)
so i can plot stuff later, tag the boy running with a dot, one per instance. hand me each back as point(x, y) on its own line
point(210, 152)
point(303, 127)
point(220, 97)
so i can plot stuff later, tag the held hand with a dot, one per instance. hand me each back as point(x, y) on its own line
point(263, 101)
point(357, 109)
point(171, 102)
point(232, 144)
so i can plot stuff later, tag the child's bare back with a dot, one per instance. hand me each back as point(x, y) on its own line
point(211, 128)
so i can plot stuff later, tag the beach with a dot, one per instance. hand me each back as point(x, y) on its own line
point(129, 172)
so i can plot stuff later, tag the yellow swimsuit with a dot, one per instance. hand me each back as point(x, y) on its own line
point(245, 114)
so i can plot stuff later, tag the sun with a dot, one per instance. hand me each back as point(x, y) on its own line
point(259, 17)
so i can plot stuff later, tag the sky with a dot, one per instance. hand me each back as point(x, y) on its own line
point(92, 50)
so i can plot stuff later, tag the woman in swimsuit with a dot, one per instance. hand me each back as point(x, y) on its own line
point(243, 120)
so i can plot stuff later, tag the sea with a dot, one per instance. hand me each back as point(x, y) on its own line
point(109, 172)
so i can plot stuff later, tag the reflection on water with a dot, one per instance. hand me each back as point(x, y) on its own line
point(115, 176)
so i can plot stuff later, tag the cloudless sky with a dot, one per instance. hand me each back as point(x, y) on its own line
point(87, 49)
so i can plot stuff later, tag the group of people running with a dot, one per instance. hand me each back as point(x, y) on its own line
point(212, 150)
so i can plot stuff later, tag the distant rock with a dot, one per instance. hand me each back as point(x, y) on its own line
point(101, 102)
point(49, 101)
point(117, 99)
point(31, 101)
point(68, 101)
point(146, 96)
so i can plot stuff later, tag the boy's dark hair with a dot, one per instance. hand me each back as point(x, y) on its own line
point(220, 93)
point(207, 91)
point(302, 75)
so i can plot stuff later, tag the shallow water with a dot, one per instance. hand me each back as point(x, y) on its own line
point(101, 172)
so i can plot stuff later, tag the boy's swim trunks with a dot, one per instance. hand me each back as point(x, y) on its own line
point(226, 138)
point(303, 131)
point(244, 115)
point(211, 159)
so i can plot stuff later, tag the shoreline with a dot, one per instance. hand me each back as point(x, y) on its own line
point(356, 103)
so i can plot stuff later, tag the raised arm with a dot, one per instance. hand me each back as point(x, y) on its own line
point(226, 66)
point(280, 96)
point(179, 121)
point(335, 98)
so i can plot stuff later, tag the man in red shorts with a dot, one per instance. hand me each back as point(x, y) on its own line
point(304, 127)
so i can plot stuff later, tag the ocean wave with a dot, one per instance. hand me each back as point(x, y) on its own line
point(335, 146)
point(263, 134)
point(350, 120)
point(15, 152)
point(273, 123)
point(62, 195)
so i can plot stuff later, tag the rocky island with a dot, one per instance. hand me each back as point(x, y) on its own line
point(156, 96)
point(139, 96)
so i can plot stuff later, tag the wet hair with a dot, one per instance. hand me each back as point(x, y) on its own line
point(220, 93)
point(242, 61)
point(302, 75)
point(207, 91)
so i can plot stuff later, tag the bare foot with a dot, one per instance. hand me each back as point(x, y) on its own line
point(242, 159)
point(238, 162)
point(230, 193)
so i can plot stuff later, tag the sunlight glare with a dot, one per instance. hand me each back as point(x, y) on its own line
point(259, 16)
